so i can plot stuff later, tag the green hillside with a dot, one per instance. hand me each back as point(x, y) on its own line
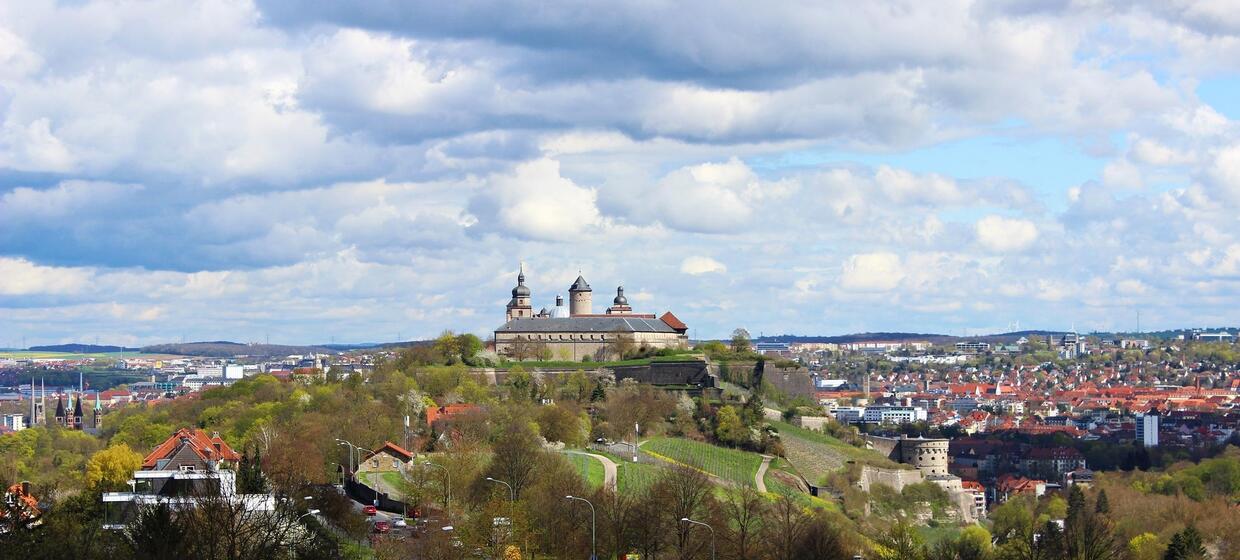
point(731, 465)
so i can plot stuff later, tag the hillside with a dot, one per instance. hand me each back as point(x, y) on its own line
point(225, 349)
point(82, 349)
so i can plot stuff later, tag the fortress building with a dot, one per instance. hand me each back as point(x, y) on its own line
point(575, 332)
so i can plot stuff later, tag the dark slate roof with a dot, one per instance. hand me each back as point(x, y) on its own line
point(584, 324)
point(579, 285)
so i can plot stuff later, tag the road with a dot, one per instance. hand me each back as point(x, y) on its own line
point(759, 479)
point(609, 468)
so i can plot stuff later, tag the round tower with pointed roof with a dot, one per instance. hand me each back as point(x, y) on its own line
point(579, 297)
point(519, 305)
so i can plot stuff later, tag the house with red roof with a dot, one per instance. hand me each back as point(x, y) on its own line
point(389, 457)
point(190, 466)
point(437, 415)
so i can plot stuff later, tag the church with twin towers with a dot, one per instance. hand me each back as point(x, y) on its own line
point(574, 332)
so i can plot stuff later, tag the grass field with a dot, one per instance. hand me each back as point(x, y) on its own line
point(728, 464)
point(815, 454)
point(590, 469)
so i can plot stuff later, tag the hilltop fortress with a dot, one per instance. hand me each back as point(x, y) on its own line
point(574, 332)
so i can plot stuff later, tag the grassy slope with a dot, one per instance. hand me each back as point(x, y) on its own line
point(815, 454)
point(728, 464)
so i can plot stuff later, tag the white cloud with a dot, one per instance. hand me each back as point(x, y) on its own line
point(872, 272)
point(1005, 235)
point(536, 202)
point(20, 277)
point(697, 265)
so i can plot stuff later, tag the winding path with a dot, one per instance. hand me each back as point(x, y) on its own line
point(759, 479)
point(609, 467)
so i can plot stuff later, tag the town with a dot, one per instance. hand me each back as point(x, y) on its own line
point(930, 432)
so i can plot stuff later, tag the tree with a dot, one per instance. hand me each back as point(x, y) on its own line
point(1102, 506)
point(728, 427)
point(516, 453)
point(111, 468)
point(785, 525)
point(740, 343)
point(744, 511)
point(900, 543)
point(620, 345)
point(1186, 545)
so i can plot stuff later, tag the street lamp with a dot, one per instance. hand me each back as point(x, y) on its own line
point(352, 449)
point(311, 512)
point(448, 473)
point(593, 550)
point(512, 509)
point(712, 534)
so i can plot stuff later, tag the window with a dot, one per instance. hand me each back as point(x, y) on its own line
point(187, 468)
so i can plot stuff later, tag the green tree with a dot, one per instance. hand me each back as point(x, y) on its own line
point(1102, 506)
point(112, 467)
point(740, 341)
point(728, 427)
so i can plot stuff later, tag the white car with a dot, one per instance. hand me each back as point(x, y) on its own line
point(399, 523)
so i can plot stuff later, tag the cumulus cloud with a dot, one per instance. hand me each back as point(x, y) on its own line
point(1005, 235)
point(238, 166)
point(872, 272)
point(697, 265)
point(536, 202)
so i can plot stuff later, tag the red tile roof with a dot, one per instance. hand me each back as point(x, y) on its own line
point(435, 414)
point(209, 447)
point(673, 322)
point(393, 449)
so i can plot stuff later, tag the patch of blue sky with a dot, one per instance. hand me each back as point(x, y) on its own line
point(1048, 165)
point(1223, 94)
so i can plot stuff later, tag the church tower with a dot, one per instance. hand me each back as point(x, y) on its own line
point(519, 305)
point(60, 410)
point(76, 424)
point(98, 423)
point(579, 295)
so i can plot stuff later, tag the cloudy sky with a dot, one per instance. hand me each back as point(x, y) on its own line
point(315, 171)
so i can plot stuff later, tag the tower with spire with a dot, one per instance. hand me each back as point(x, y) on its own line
point(98, 420)
point(579, 296)
point(519, 305)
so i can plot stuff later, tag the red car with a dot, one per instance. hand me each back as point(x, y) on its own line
point(382, 527)
point(370, 510)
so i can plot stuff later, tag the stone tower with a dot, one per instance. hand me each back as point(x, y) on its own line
point(519, 305)
point(579, 295)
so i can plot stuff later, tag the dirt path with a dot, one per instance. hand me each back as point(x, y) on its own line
point(759, 478)
point(609, 468)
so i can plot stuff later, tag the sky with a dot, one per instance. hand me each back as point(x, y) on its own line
point(306, 172)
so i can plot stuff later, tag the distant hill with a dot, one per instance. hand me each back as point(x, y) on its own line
point(226, 349)
point(82, 349)
point(858, 337)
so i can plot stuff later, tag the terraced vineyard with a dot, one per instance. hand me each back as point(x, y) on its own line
point(635, 477)
point(732, 465)
point(815, 454)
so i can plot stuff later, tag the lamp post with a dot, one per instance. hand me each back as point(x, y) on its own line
point(352, 450)
point(593, 549)
point(448, 474)
point(311, 512)
point(712, 534)
point(512, 508)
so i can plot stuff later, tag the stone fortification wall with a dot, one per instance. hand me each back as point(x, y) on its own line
point(813, 422)
point(889, 447)
point(668, 373)
point(895, 478)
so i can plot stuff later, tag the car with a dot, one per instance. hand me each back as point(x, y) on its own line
point(400, 523)
point(370, 510)
point(382, 527)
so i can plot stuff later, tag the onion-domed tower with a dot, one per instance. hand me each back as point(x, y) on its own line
point(620, 305)
point(579, 296)
point(519, 305)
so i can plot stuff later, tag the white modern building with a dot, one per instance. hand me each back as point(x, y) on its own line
point(1147, 428)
